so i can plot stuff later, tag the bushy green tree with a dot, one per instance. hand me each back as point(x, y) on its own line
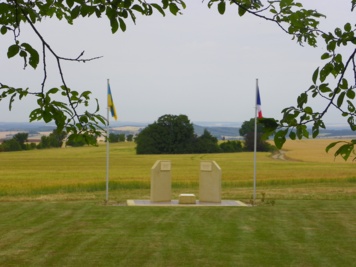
point(21, 138)
point(231, 146)
point(54, 139)
point(247, 130)
point(129, 137)
point(11, 145)
point(113, 138)
point(206, 143)
point(170, 134)
point(16, 143)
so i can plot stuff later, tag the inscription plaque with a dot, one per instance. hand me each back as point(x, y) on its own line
point(206, 166)
point(165, 165)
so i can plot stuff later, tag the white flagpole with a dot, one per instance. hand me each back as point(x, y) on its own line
point(255, 148)
point(107, 145)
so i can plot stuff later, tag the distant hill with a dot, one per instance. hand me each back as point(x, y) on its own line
point(219, 130)
point(26, 126)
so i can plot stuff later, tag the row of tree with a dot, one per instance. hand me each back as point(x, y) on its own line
point(172, 134)
point(121, 137)
point(16, 143)
point(55, 139)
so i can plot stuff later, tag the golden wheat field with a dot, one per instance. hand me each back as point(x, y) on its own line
point(304, 170)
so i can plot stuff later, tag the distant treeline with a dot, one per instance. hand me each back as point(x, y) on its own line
point(20, 141)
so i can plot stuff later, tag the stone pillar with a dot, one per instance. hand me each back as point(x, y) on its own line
point(210, 182)
point(161, 181)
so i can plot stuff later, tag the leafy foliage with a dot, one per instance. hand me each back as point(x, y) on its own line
point(17, 143)
point(247, 130)
point(172, 134)
point(231, 146)
point(114, 138)
point(13, 14)
point(334, 81)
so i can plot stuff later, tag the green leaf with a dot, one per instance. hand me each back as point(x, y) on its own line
point(122, 24)
point(325, 56)
point(23, 53)
point(350, 94)
point(302, 99)
point(70, 3)
point(292, 135)
point(3, 30)
point(324, 88)
point(159, 9)
point(308, 110)
point(338, 58)
point(347, 27)
point(331, 145)
point(315, 75)
point(53, 91)
point(13, 50)
point(315, 130)
point(222, 7)
point(75, 12)
point(83, 119)
point(325, 71)
point(344, 151)
point(280, 138)
point(344, 84)
point(338, 32)
point(173, 8)
point(34, 56)
point(114, 25)
point(127, 3)
point(138, 8)
point(242, 11)
point(340, 99)
point(350, 107)
point(331, 46)
point(269, 124)
point(47, 116)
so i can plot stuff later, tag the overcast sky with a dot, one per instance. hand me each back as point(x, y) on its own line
point(200, 64)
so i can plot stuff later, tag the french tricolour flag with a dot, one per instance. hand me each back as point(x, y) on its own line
point(259, 109)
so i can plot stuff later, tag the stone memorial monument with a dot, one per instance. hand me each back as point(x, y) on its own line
point(210, 182)
point(161, 181)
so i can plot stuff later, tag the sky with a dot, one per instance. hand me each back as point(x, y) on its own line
point(201, 64)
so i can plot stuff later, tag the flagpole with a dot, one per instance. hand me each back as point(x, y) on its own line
point(107, 146)
point(255, 147)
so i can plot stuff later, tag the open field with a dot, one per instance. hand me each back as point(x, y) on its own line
point(79, 173)
point(53, 211)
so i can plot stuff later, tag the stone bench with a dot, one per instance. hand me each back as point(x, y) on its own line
point(187, 199)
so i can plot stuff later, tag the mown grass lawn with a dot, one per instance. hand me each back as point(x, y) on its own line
point(86, 233)
point(53, 211)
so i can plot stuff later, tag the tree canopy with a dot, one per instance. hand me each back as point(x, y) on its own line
point(333, 81)
point(247, 130)
point(174, 134)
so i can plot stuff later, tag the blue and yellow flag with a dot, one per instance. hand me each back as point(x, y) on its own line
point(111, 103)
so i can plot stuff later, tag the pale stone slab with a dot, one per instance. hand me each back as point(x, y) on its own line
point(187, 199)
point(175, 203)
point(210, 182)
point(161, 181)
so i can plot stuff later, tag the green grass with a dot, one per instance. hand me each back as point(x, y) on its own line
point(291, 233)
point(53, 211)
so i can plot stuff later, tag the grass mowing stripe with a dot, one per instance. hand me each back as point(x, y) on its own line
point(292, 233)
